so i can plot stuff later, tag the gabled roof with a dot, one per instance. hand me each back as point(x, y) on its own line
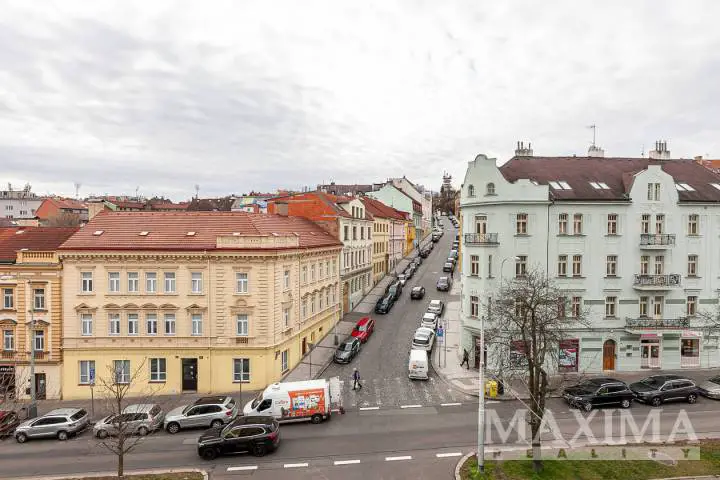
point(170, 230)
point(616, 173)
point(379, 209)
point(67, 203)
point(42, 239)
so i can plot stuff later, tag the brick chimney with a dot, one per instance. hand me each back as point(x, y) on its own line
point(661, 152)
point(521, 151)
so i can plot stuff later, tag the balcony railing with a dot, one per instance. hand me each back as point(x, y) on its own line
point(657, 323)
point(657, 240)
point(481, 238)
point(664, 281)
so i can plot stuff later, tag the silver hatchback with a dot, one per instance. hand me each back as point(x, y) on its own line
point(139, 419)
point(205, 412)
point(59, 423)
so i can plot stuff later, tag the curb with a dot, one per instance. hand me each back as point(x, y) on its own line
point(72, 476)
point(460, 463)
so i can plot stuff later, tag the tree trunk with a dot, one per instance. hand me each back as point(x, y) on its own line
point(537, 457)
point(121, 464)
point(535, 426)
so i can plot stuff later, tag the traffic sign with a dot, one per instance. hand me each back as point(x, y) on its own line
point(440, 332)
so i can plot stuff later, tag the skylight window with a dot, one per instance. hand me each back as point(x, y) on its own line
point(565, 186)
point(687, 187)
point(97, 233)
point(600, 185)
point(716, 185)
point(190, 234)
point(604, 186)
point(679, 187)
point(555, 185)
point(144, 233)
point(595, 185)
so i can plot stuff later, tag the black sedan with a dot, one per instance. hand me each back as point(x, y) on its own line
point(599, 392)
point(385, 304)
point(417, 292)
point(444, 284)
point(254, 434)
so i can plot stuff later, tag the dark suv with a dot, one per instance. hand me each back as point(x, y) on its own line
point(395, 290)
point(255, 434)
point(658, 389)
point(384, 304)
point(598, 392)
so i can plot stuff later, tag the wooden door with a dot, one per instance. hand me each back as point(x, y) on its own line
point(609, 355)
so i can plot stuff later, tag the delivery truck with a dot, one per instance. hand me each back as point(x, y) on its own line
point(418, 365)
point(310, 400)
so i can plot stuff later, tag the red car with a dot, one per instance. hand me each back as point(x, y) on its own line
point(363, 329)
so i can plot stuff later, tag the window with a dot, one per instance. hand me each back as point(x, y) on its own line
point(87, 282)
point(475, 265)
point(610, 306)
point(133, 280)
point(694, 224)
point(303, 309)
point(362, 233)
point(327, 297)
point(659, 223)
point(312, 272)
point(284, 361)
point(611, 265)
point(286, 279)
point(196, 324)
point(169, 282)
point(169, 324)
point(563, 224)
point(354, 233)
point(644, 264)
point(577, 224)
point(692, 265)
point(241, 370)
point(332, 294)
point(8, 340)
point(521, 266)
point(87, 372)
point(312, 298)
point(521, 224)
point(658, 307)
point(133, 324)
point(286, 313)
point(39, 341)
point(490, 266)
point(114, 282)
point(575, 307)
point(474, 306)
point(86, 323)
point(151, 282)
point(241, 283)
point(659, 264)
point(644, 302)
point(471, 190)
point(562, 302)
point(577, 265)
point(151, 324)
point(490, 189)
point(114, 323)
point(562, 265)
point(158, 371)
point(304, 274)
point(692, 305)
point(39, 298)
point(612, 223)
point(653, 191)
point(122, 371)
point(8, 298)
point(346, 233)
point(645, 224)
point(242, 325)
point(196, 282)
point(481, 224)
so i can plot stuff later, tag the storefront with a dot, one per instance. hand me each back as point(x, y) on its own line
point(650, 350)
point(690, 350)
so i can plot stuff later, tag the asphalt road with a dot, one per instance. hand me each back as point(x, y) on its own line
point(383, 360)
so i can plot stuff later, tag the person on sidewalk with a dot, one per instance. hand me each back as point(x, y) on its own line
point(466, 358)
point(356, 379)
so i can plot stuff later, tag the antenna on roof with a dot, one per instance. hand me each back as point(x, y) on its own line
point(137, 189)
point(642, 151)
point(77, 189)
point(197, 191)
point(594, 129)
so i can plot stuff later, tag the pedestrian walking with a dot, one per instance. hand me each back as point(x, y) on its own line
point(466, 358)
point(356, 379)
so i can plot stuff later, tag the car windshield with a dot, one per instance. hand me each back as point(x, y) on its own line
point(715, 380)
point(345, 347)
point(422, 339)
point(360, 328)
point(256, 401)
point(417, 289)
point(653, 382)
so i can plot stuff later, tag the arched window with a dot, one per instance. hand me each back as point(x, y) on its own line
point(471, 191)
point(490, 189)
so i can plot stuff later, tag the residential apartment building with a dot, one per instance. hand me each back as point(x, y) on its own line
point(18, 204)
point(423, 197)
point(55, 210)
point(392, 196)
point(388, 249)
point(630, 240)
point(31, 310)
point(204, 302)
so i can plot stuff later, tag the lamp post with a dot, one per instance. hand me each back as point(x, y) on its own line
point(32, 409)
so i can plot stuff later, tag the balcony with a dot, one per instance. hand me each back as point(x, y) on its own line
point(656, 282)
point(657, 323)
point(481, 239)
point(662, 241)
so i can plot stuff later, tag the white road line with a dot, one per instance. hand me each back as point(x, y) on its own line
point(369, 408)
point(394, 459)
point(346, 462)
point(295, 465)
point(410, 406)
point(450, 454)
point(238, 469)
point(453, 404)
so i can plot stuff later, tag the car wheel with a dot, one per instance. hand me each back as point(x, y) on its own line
point(209, 454)
point(21, 438)
point(656, 401)
point(587, 406)
point(625, 403)
point(317, 418)
point(259, 450)
point(101, 434)
point(173, 427)
point(142, 431)
point(216, 423)
point(62, 435)
point(692, 398)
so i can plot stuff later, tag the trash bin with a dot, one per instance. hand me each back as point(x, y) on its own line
point(491, 388)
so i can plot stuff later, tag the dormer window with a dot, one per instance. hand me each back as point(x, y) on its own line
point(471, 190)
point(490, 189)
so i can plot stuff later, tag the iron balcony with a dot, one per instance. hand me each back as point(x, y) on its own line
point(481, 239)
point(661, 241)
point(656, 282)
point(657, 323)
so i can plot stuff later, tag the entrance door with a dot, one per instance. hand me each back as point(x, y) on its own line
point(304, 345)
point(478, 347)
point(346, 298)
point(481, 224)
point(609, 355)
point(40, 386)
point(189, 374)
point(650, 355)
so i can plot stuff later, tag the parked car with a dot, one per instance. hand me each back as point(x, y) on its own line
point(254, 434)
point(424, 339)
point(409, 272)
point(204, 412)
point(385, 304)
point(417, 292)
point(395, 290)
point(452, 260)
point(448, 267)
point(363, 329)
point(710, 388)
point(658, 389)
point(424, 253)
point(59, 423)
point(429, 320)
point(9, 420)
point(436, 306)
point(138, 419)
point(417, 261)
point(598, 392)
point(455, 244)
point(454, 254)
point(402, 278)
point(444, 284)
point(347, 350)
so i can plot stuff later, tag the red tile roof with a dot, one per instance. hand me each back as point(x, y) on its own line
point(617, 173)
point(68, 203)
point(45, 239)
point(168, 230)
point(379, 209)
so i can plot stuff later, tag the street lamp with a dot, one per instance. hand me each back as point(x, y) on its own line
point(32, 408)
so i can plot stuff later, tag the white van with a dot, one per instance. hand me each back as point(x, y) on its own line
point(418, 364)
point(294, 401)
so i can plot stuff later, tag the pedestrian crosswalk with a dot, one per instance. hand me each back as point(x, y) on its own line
point(399, 391)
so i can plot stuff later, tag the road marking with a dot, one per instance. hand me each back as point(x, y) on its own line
point(453, 404)
point(295, 465)
point(369, 408)
point(451, 454)
point(394, 459)
point(346, 462)
point(238, 469)
point(410, 406)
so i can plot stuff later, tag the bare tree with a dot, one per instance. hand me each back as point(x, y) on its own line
point(65, 219)
point(524, 332)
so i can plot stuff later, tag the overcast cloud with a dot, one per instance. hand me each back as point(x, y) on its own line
point(241, 95)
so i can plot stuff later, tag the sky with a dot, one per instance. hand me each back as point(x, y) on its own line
point(160, 96)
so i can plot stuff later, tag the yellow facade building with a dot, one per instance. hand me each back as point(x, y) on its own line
point(409, 237)
point(208, 302)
